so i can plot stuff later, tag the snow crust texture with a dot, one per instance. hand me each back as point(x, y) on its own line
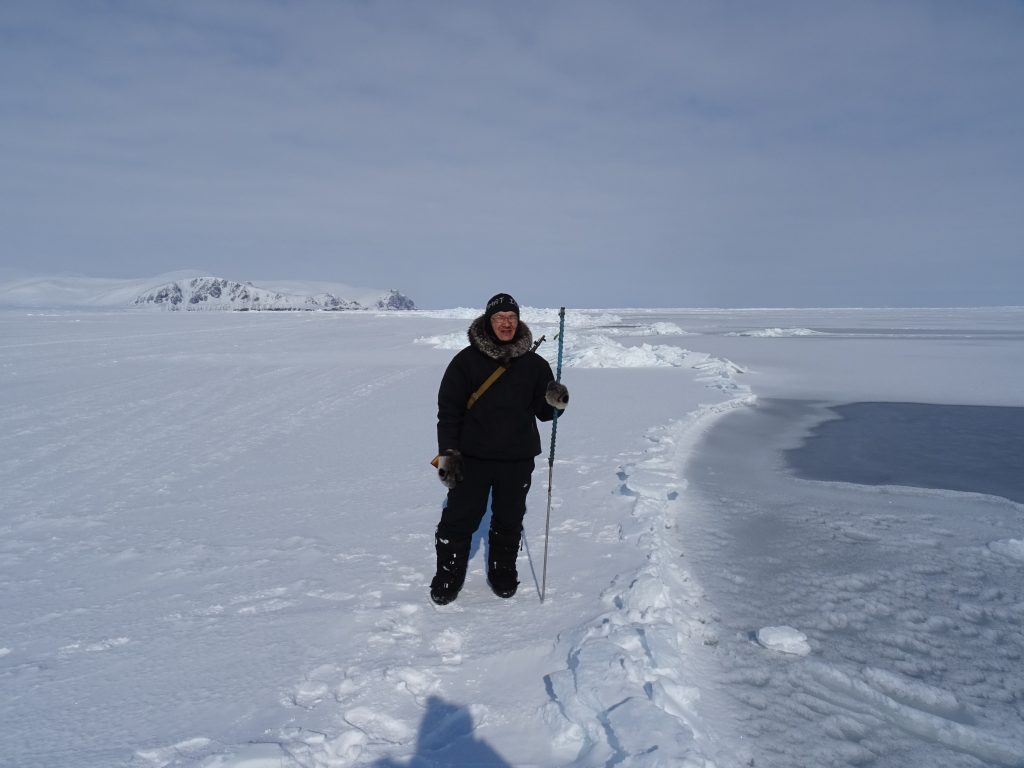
point(216, 540)
point(899, 618)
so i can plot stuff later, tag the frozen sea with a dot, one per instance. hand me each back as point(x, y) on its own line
point(908, 594)
point(778, 538)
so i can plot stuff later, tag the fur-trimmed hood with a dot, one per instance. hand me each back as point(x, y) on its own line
point(481, 338)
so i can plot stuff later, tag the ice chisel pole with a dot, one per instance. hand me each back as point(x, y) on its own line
point(551, 455)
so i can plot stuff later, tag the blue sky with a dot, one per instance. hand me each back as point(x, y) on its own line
point(585, 153)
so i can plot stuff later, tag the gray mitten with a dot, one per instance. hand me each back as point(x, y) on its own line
point(449, 467)
point(556, 395)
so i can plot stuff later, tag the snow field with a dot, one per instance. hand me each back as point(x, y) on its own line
point(216, 540)
point(235, 513)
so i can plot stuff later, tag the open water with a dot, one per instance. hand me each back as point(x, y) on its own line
point(978, 449)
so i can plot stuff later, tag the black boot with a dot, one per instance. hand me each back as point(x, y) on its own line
point(452, 561)
point(501, 562)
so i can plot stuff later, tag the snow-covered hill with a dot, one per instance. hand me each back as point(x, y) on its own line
point(194, 291)
point(218, 293)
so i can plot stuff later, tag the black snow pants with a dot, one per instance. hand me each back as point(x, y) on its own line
point(507, 483)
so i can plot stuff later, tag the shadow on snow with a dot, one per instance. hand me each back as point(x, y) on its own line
point(446, 738)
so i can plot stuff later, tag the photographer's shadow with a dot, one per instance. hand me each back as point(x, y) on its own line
point(446, 738)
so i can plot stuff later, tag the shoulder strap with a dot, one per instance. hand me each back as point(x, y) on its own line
point(436, 461)
point(494, 377)
point(485, 386)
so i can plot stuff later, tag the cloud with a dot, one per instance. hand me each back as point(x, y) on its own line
point(617, 154)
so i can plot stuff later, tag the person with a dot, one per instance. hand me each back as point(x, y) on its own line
point(487, 449)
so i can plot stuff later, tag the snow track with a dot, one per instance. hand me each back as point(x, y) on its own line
point(648, 639)
point(395, 696)
point(640, 643)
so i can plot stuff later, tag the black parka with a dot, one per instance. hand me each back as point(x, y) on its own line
point(502, 424)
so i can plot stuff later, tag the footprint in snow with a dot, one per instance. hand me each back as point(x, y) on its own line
point(418, 682)
point(324, 681)
point(449, 644)
point(397, 624)
point(410, 577)
point(378, 726)
point(263, 601)
point(102, 645)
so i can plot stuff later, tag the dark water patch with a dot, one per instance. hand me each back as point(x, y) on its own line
point(972, 448)
point(924, 333)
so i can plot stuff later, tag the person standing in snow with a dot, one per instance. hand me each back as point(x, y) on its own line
point(488, 447)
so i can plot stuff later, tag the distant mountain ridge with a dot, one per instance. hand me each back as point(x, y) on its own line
point(191, 291)
point(218, 293)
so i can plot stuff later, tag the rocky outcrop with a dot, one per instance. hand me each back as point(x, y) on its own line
point(215, 293)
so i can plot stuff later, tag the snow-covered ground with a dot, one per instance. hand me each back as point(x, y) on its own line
point(216, 540)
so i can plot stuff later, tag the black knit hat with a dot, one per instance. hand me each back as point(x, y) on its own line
point(502, 302)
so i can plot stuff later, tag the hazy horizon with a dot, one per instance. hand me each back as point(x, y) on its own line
point(83, 299)
point(580, 153)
